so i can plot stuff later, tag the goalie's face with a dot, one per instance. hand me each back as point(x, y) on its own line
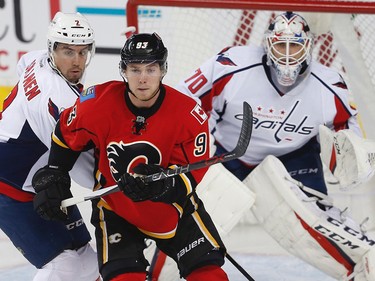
point(288, 44)
point(287, 58)
point(288, 53)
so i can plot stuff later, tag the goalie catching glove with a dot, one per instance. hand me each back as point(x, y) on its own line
point(137, 190)
point(51, 185)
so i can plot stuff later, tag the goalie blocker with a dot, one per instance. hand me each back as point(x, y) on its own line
point(304, 222)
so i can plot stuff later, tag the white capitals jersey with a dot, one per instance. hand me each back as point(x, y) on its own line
point(282, 122)
point(29, 116)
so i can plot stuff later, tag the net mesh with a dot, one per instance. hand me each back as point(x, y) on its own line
point(192, 35)
point(343, 41)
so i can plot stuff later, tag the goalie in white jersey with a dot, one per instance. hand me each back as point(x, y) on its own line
point(291, 96)
point(48, 83)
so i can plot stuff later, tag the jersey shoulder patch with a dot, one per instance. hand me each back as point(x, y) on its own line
point(199, 114)
point(87, 94)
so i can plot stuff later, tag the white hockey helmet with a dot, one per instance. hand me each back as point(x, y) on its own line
point(288, 44)
point(73, 29)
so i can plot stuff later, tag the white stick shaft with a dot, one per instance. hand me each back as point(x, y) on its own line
point(79, 199)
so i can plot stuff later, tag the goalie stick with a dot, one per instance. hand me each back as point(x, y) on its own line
point(238, 151)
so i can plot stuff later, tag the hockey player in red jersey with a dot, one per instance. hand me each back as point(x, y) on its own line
point(48, 83)
point(139, 126)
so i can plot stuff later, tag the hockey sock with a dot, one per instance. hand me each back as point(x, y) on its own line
point(210, 272)
point(132, 276)
point(157, 264)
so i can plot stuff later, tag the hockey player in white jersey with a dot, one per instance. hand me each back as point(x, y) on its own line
point(291, 96)
point(48, 83)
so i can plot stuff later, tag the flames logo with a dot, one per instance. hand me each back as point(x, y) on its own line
point(123, 157)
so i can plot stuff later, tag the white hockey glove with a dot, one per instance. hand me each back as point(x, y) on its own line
point(350, 158)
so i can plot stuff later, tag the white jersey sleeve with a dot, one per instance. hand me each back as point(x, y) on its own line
point(344, 102)
point(27, 58)
point(28, 118)
point(209, 82)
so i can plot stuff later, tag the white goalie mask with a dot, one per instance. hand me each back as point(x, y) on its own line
point(72, 29)
point(288, 43)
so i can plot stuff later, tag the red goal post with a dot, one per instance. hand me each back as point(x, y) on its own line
point(358, 7)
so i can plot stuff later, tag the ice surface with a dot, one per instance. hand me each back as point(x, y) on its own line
point(250, 246)
point(260, 256)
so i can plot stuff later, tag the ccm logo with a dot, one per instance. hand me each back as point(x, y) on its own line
point(75, 224)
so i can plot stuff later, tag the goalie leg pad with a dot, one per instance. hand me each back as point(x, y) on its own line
point(321, 238)
point(364, 270)
point(225, 198)
point(368, 263)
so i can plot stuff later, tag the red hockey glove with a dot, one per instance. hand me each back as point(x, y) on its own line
point(52, 186)
point(137, 190)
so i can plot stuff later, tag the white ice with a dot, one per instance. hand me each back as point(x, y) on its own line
point(250, 246)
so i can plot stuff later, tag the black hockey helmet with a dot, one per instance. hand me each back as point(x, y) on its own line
point(144, 48)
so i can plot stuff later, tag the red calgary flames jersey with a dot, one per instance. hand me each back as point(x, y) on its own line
point(173, 131)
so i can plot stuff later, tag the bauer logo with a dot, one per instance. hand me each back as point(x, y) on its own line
point(189, 247)
point(199, 114)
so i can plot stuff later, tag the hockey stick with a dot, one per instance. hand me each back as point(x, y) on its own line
point(239, 267)
point(238, 151)
point(158, 261)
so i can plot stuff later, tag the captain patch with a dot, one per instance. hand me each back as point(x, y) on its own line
point(199, 114)
point(87, 94)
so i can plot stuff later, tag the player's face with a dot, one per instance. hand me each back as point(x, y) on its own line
point(293, 51)
point(144, 82)
point(71, 60)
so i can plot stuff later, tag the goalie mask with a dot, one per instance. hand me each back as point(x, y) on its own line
point(72, 29)
point(144, 48)
point(288, 44)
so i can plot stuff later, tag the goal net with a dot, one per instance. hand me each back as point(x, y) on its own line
point(193, 31)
